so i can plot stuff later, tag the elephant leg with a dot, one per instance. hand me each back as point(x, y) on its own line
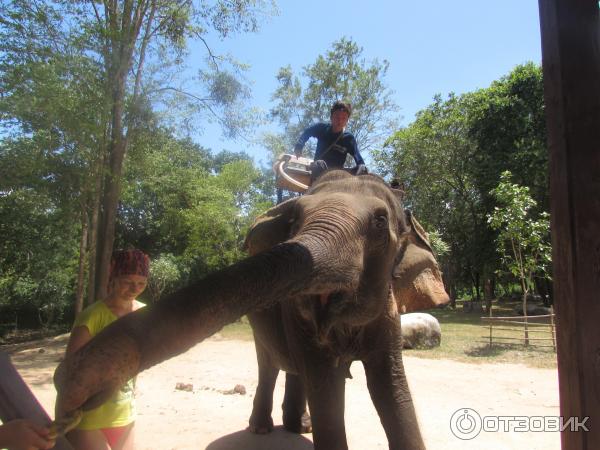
point(325, 391)
point(389, 391)
point(261, 421)
point(295, 417)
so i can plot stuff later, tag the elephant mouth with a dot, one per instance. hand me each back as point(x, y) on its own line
point(325, 307)
point(330, 298)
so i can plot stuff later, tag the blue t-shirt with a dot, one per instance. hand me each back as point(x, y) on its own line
point(331, 147)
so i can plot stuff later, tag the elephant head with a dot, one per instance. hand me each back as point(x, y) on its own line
point(357, 225)
point(417, 281)
point(384, 246)
point(337, 251)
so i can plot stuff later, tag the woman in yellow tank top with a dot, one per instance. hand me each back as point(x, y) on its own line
point(111, 425)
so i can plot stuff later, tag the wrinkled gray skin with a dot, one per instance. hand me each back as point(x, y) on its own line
point(371, 257)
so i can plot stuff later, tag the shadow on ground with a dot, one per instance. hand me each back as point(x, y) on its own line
point(278, 439)
point(485, 351)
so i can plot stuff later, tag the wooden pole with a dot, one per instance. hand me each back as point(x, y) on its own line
point(570, 31)
point(490, 315)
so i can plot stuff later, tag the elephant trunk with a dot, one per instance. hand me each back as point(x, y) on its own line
point(173, 325)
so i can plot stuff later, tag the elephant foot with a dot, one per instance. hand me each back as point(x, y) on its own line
point(299, 425)
point(264, 426)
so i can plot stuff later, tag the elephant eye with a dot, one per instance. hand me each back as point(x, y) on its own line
point(294, 226)
point(381, 222)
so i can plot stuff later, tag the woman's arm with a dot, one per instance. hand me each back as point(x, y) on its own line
point(79, 337)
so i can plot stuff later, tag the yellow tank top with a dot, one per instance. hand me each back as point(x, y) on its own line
point(119, 410)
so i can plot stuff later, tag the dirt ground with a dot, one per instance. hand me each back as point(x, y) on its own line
point(210, 417)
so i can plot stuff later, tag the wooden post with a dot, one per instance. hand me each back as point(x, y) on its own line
point(490, 315)
point(570, 31)
point(552, 327)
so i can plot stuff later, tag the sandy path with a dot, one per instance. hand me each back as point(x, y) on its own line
point(208, 418)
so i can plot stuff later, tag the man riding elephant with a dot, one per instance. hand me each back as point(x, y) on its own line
point(333, 142)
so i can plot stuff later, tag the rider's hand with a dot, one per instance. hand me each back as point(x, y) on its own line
point(298, 151)
point(361, 169)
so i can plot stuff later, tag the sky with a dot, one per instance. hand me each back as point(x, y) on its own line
point(433, 47)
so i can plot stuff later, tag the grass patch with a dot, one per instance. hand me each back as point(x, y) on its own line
point(239, 330)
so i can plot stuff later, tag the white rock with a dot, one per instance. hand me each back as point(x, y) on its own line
point(420, 330)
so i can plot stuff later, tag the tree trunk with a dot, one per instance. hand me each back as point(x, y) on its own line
point(525, 326)
point(449, 282)
point(117, 147)
point(94, 223)
point(82, 258)
point(110, 203)
point(488, 293)
point(124, 31)
point(476, 285)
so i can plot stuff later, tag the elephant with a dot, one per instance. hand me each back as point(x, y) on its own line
point(323, 285)
point(378, 262)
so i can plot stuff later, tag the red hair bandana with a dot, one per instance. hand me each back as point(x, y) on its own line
point(129, 262)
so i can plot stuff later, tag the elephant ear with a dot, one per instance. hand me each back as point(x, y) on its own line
point(270, 228)
point(416, 279)
point(418, 229)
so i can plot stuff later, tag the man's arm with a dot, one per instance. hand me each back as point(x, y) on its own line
point(312, 131)
point(355, 153)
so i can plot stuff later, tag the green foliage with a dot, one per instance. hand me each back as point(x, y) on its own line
point(164, 274)
point(522, 240)
point(340, 74)
point(440, 248)
point(453, 154)
point(507, 123)
point(180, 200)
point(74, 75)
point(38, 257)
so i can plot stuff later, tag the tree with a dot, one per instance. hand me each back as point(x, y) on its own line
point(340, 74)
point(120, 40)
point(508, 127)
point(125, 32)
point(453, 154)
point(38, 257)
point(430, 159)
point(179, 199)
point(523, 242)
point(50, 110)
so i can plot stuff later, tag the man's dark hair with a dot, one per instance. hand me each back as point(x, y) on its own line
point(342, 106)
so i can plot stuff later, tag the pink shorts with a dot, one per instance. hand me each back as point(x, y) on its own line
point(113, 434)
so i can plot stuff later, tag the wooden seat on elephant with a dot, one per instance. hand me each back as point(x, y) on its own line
point(292, 173)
